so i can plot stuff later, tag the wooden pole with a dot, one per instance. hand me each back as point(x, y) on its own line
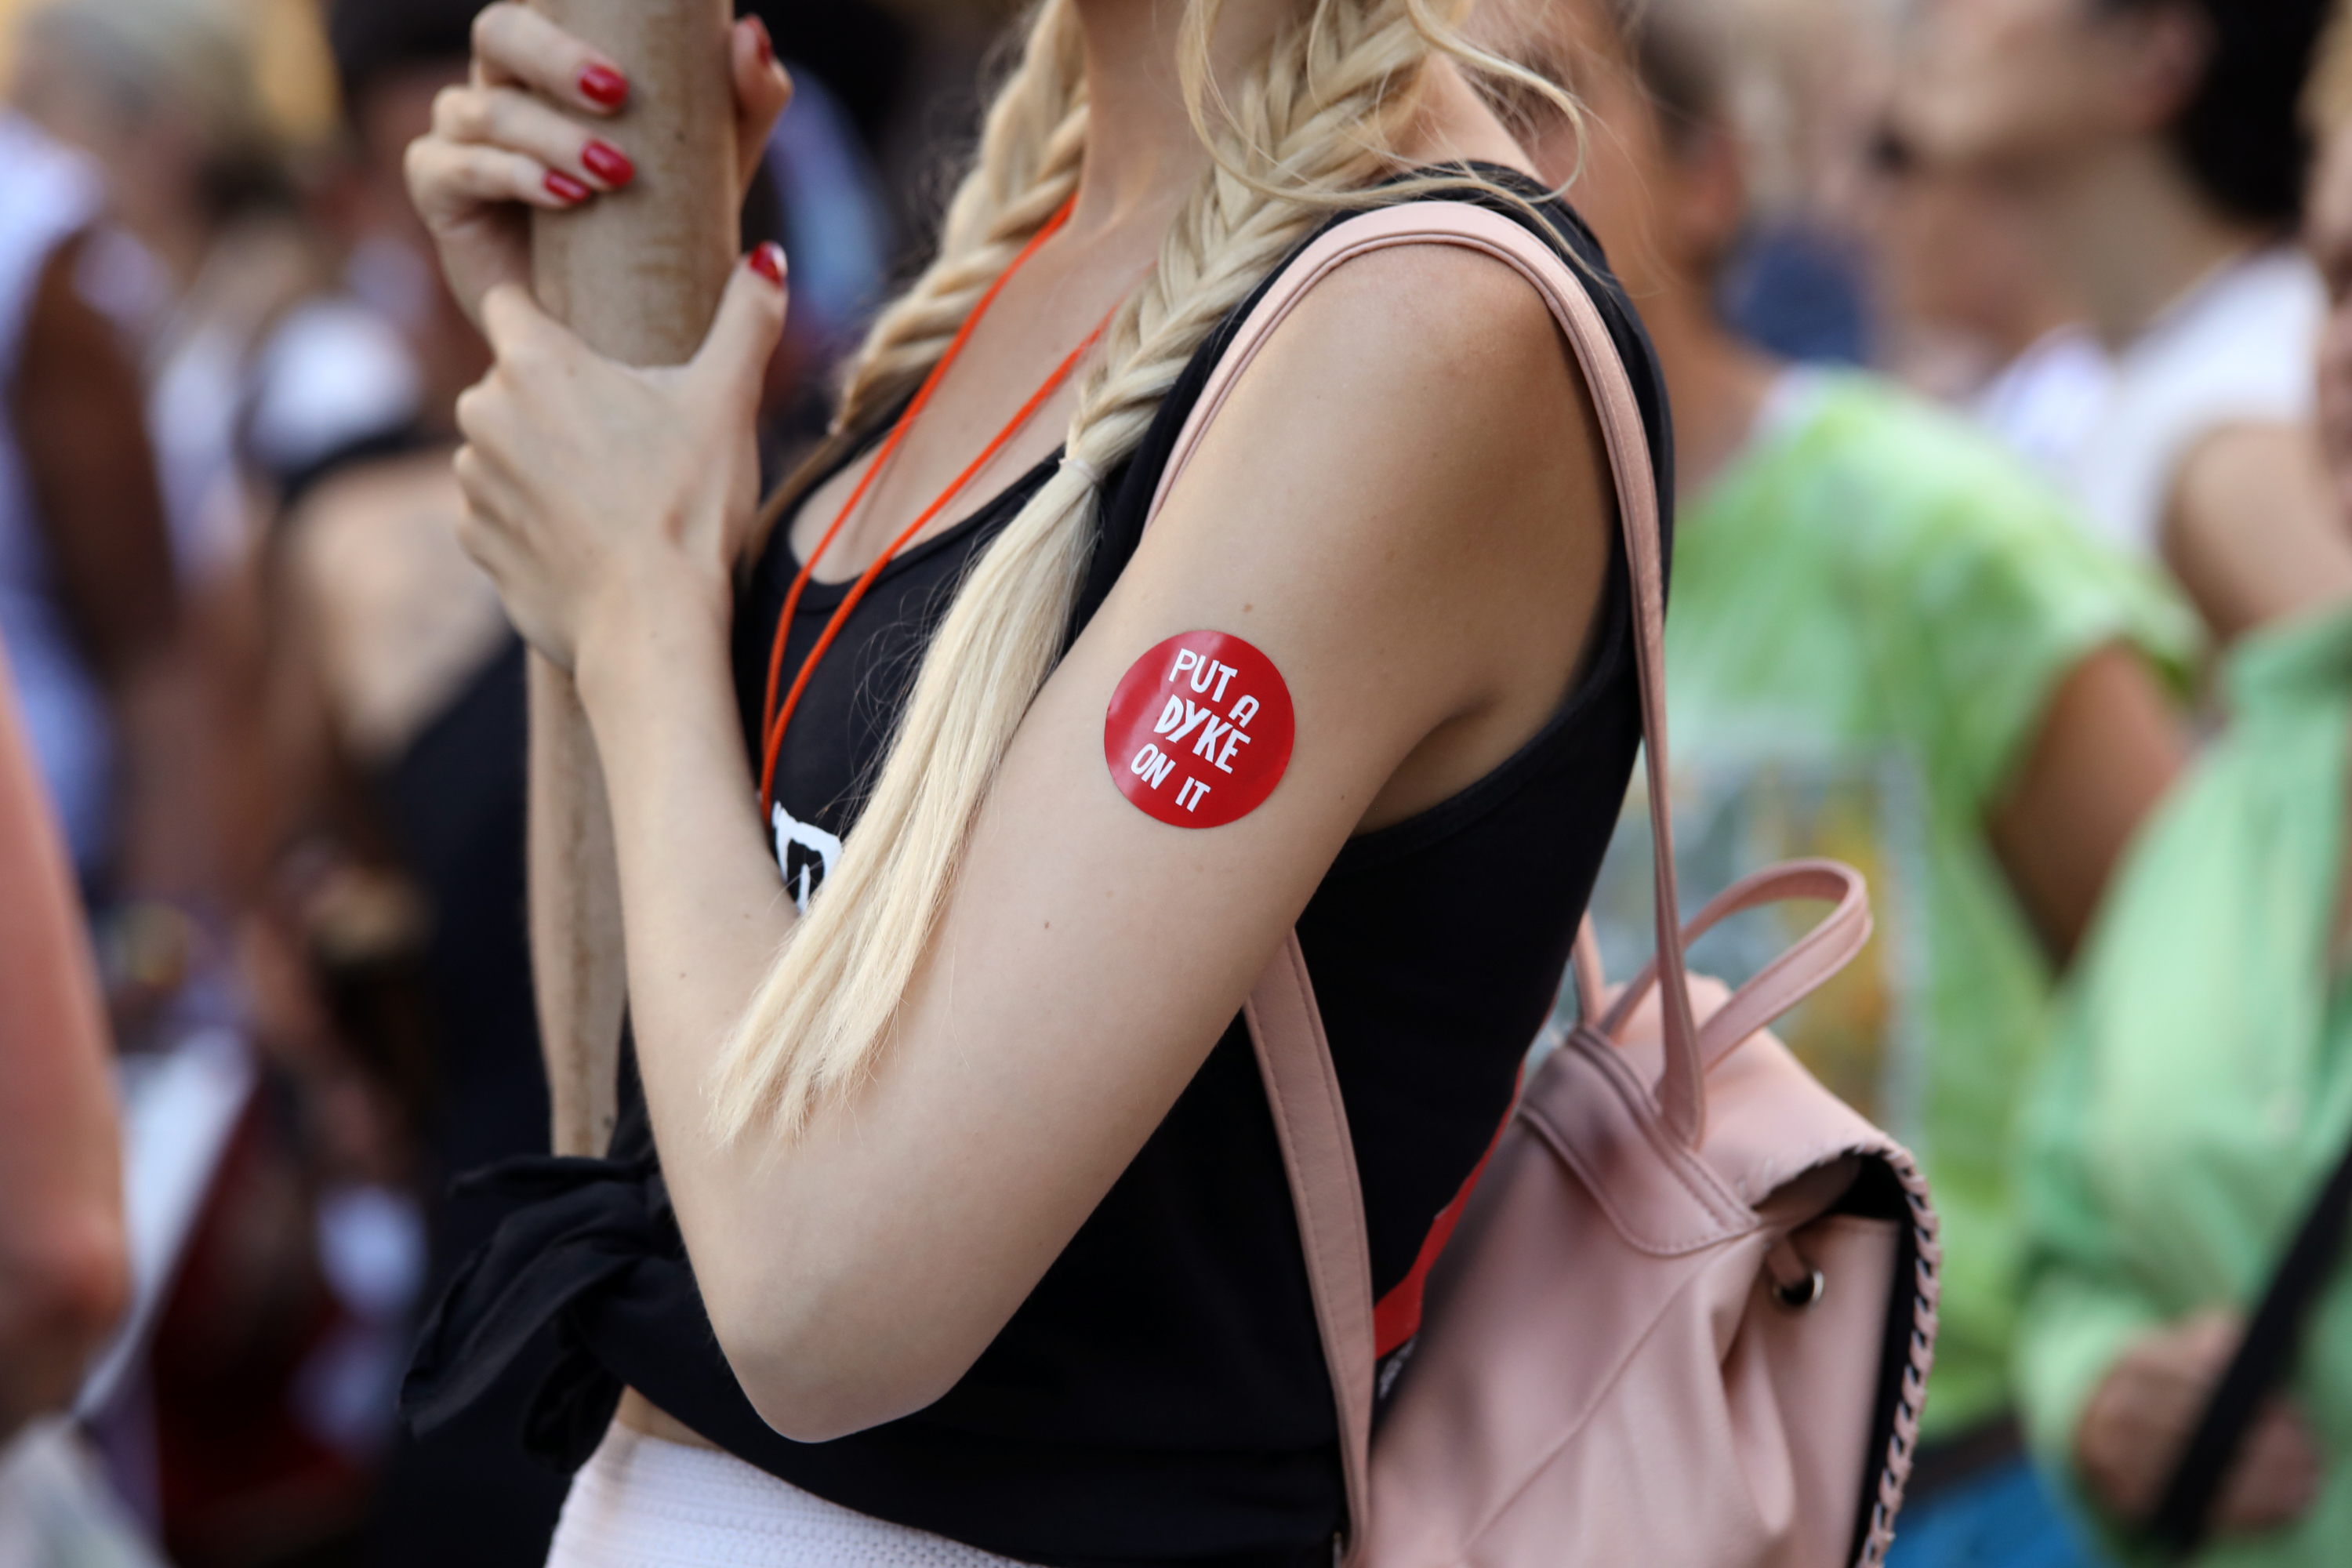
point(638, 274)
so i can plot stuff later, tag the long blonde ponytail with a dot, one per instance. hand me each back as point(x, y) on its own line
point(1312, 129)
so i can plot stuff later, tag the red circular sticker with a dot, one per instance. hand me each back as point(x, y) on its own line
point(1200, 731)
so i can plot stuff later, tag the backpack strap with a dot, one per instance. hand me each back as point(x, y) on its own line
point(1775, 988)
point(1682, 1100)
point(1286, 1027)
point(2265, 1356)
point(1294, 1056)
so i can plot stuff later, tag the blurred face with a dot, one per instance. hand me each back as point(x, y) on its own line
point(2028, 81)
point(2328, 235)
point(1955, 251)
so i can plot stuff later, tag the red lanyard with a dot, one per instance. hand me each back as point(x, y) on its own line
point(779, 718)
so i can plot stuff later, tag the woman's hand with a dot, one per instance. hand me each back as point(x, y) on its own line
point(2139, 1420)
point(524, 133)
point(596, 491)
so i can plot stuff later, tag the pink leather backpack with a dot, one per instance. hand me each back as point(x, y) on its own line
point(1688, 1317)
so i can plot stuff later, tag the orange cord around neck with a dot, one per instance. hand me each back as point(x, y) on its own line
point(779, 717)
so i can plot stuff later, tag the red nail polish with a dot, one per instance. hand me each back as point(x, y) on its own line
point(768, 261)
point(767, 42)
point(608, 163)
point(605, 85)
point(566, 189)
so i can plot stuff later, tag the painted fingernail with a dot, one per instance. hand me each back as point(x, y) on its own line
point(566, 189)
point(603, 85)
point(767, 42)
point(608, 163)
point(768, 261)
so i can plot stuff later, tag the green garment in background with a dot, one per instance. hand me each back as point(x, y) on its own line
point(2201, 1086)
point(1872, 611)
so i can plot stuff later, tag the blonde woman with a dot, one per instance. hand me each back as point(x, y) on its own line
point(946, 1222)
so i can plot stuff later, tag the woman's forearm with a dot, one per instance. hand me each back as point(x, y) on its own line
point(63, 1268)
point(704, 906)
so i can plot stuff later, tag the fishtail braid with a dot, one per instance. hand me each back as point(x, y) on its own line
point(1031, 148)
point(1310, 130)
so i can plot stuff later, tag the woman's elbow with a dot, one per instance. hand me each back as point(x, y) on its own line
point(815, 1374)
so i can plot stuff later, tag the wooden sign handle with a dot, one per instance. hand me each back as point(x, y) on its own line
point(637, 273)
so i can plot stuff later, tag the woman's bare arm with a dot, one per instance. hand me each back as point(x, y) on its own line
point(2254, 530)
point(2108, 749)
point(81, 422)
point(63, 1271)
point(1402, 506)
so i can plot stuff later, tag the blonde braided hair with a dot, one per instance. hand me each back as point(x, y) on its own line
point(1031, 149)
point(1311, 130)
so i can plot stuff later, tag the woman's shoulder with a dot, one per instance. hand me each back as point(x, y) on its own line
point(1443, 276)
point(1429, 321)
point(1467, 317)
point(1444, 295)
point(1437, 364)
point(1438, 353)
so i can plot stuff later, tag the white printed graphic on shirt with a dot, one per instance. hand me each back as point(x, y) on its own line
point(807, 855)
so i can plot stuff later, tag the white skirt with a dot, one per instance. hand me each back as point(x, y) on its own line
point(643, 1502)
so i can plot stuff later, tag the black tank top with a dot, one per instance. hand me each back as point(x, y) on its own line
point(1162, 1396)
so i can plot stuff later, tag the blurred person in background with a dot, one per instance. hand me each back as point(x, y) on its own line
point(1975, 310)
point(250, 1424)
point(1797, 283)
point(2158, 143)
point(1889, 643)
point(2201, 1091)
point(63, 1270)
point(256, 367)
point(260, 365)
point(64, 1263)
point(89, 607)
point(64, 1259)
point(397, 697)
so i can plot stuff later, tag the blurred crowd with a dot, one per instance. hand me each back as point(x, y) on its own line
point(2012, 385)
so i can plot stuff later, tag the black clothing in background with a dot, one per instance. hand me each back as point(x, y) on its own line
point(857, 49)
point(453, 805)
